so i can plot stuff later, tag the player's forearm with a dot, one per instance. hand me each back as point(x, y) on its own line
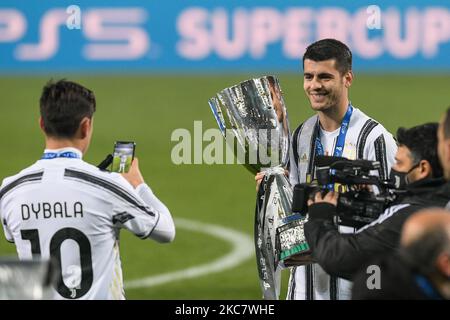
point(164, 230)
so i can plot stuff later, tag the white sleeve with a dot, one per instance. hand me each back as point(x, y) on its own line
point(145, 215)
point(164, 230)
point(8, 233)
point(381, 146)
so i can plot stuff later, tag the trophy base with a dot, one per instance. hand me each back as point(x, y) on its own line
point(291, 242)
point(302, 248)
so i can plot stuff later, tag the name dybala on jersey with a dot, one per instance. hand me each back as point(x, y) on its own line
point(64, 208)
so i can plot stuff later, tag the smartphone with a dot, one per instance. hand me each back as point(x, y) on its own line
point(123, 155)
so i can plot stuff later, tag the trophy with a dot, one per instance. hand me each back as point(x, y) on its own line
point(26, 280)
point(252, 117)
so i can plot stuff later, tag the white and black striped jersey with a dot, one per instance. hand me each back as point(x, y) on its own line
point(365, 139)
point(72, 212)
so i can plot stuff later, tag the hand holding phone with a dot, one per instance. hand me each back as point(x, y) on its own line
point(134, 176)
point(123, 156)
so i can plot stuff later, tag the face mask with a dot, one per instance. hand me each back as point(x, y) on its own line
point(400, 179)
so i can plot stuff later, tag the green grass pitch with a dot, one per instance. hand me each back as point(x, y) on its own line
point(147, 109)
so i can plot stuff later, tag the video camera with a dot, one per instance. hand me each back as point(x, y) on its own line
point(362, 196)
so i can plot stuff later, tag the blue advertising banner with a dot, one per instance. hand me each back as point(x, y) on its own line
point(218, 36)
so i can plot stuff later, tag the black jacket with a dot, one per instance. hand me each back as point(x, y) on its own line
point(398, 281)
point(343, 255)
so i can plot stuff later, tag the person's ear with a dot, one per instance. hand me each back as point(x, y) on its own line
point(425, 169)
point(41, 124)
point(348, 79)
point(85, 127)
point(443, 264)
point(447, 150)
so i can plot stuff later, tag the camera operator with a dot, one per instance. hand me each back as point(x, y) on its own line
point(417, 169)
point(419, 269)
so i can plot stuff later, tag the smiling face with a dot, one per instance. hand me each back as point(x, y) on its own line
point(324, 85)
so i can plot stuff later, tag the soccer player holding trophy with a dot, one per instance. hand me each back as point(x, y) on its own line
point(338, 129)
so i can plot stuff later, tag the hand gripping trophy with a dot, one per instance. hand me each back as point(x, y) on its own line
point(253, 114)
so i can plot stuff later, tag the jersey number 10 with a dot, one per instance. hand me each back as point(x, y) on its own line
point(55, 253)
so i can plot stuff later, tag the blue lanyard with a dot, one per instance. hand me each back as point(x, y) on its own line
point(54, 155)
point(427, 288)
point(340, 143)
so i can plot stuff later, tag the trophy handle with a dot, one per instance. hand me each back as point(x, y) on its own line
point(215, 108)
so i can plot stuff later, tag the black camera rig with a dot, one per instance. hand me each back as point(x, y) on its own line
point(363, 195)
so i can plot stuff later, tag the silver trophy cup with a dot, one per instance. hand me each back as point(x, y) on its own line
point(252, 117)
point(26, 280)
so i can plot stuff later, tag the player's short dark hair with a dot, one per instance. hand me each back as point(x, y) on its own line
point(422, 143)
point(327, 49)
point(63, 105)
point(447, 124)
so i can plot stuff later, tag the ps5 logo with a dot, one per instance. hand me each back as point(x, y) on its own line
point(111, 33)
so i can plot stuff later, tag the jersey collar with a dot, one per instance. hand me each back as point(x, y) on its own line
point(68, 149)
